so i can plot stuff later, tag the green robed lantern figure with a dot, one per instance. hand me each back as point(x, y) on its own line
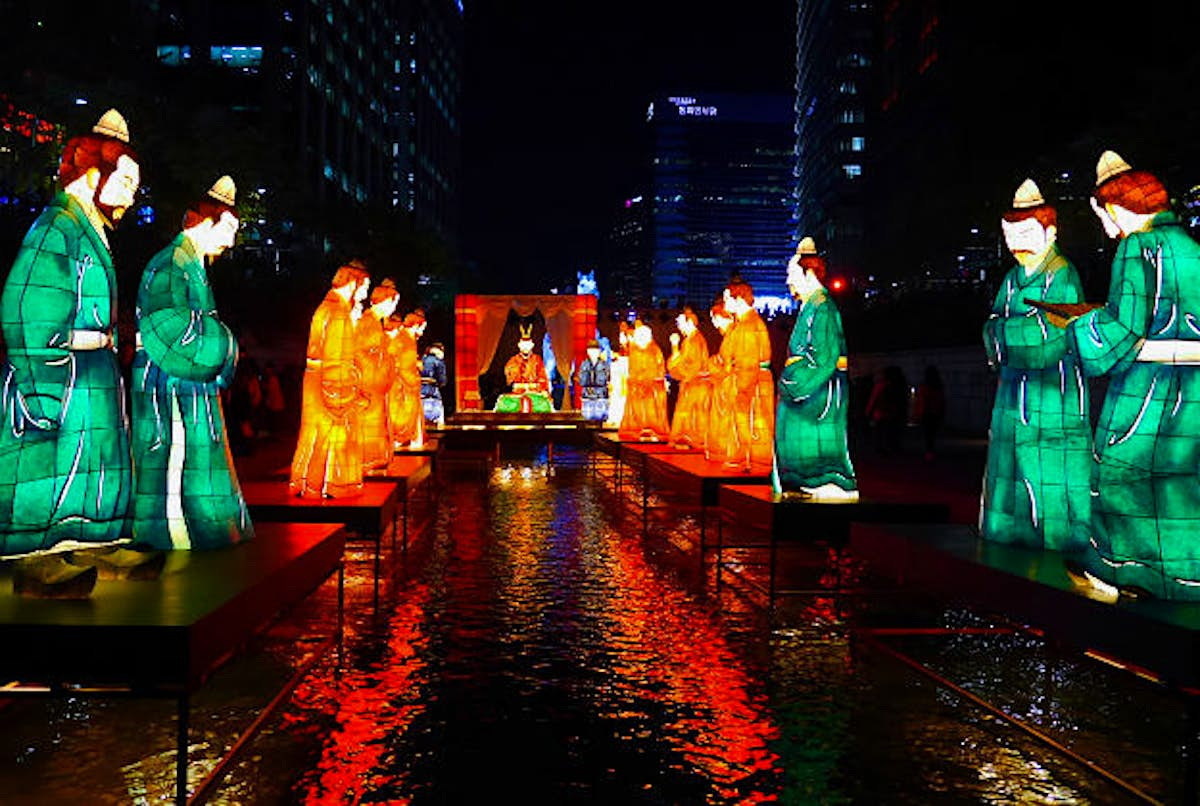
point(186, 491)
point(1035, 489)
point(64, 441)
point(812, 460)
point(1145, 486)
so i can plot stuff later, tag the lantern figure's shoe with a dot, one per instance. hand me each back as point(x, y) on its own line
point(122, 563)
point(50, 576)
point(829, 492)
point(1091, 586)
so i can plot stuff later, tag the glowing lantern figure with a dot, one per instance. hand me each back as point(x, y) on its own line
point(688, 365)
point(618, 378)
point(65, 475)
point(329, 459)
point(186, 491)
point(717, 442)
point(754, 389)
point(404, 401)
point(433, 379)
point(645, 416)
point(592, 377)
point(812, 459)
point(1145, 513)
point(1035, 490)
point(525, 373)
point(378, 374)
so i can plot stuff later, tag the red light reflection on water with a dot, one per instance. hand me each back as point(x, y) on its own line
point(675, 653)
point(359, 712)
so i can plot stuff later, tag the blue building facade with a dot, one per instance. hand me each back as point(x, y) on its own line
point(722, 193)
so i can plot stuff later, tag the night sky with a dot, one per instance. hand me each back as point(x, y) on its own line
point(554, 94)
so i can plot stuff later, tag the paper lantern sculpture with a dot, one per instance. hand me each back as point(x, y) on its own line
point(329, 459)
point(404, 402)
point(592, 379)
point(719, 442)
point(433, 381)
point(1035, 490)
point(65, 474)
point(812, 459)
point(688, 365)
point(1145, 514)
point(525, 373)
point(645, 416)
point(753, 387)
point(378, 375)
point(618, 378)
point(186, 491)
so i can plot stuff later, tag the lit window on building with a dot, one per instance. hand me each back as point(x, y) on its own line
point(858, 143)
point(848, 88)
point(852, 171)
point(174, 55)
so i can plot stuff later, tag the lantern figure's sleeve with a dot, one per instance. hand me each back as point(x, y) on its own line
point(1107, 339)
point(691, 361)
point(1017, 335)
point(751, 353)
point(331, 342)
point(179, 328)
point(814, 351)
point(38, 312)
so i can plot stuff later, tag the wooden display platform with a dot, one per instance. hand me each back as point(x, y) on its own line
point(694, 479)
point(485, 433)
point(756, 508)
point(1032, 587)
point(163, 638)
point(369, 514)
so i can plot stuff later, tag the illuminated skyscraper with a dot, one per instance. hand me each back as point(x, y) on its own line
point(835, 52)
point(721, 193)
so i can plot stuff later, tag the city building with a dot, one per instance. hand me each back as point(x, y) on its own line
point(835, 97)
point(721, 193)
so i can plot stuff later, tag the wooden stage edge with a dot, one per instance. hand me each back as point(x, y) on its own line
point(1032, 587)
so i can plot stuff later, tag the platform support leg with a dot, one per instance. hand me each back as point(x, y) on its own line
point(1191, 751)
point(183, 711)
point(720, 550)
point(341, 616)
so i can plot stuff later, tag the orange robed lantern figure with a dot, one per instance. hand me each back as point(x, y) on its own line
point(404, 402)
point(688, 365)
point(328, 460)
point(645, 415)
point(378, 375)
point(719, 440)
point(753, 386)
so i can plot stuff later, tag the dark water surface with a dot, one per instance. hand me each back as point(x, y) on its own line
point(536, 648)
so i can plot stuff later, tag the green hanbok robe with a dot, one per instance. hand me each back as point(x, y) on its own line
point(187, 494)
point(810, 419)
point(64, 439)
point(1035, 488)
point(1145, 485)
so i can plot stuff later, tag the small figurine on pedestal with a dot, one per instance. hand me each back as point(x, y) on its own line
point(592, 378)
point(378, 375)
point(433, 380)
point(408, 417)
point(645, 417)
point(812, 460)
point(754, 389)
point(688, 365)
point(720, 440)
point(329, 458)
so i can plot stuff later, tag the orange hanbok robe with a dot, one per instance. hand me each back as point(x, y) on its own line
point(404, 398)
point(721, 443)
point(645, 414)
point(689, 366)
point(754, 393)
point(529, 370)
point(378, 373)
point(328, 460)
